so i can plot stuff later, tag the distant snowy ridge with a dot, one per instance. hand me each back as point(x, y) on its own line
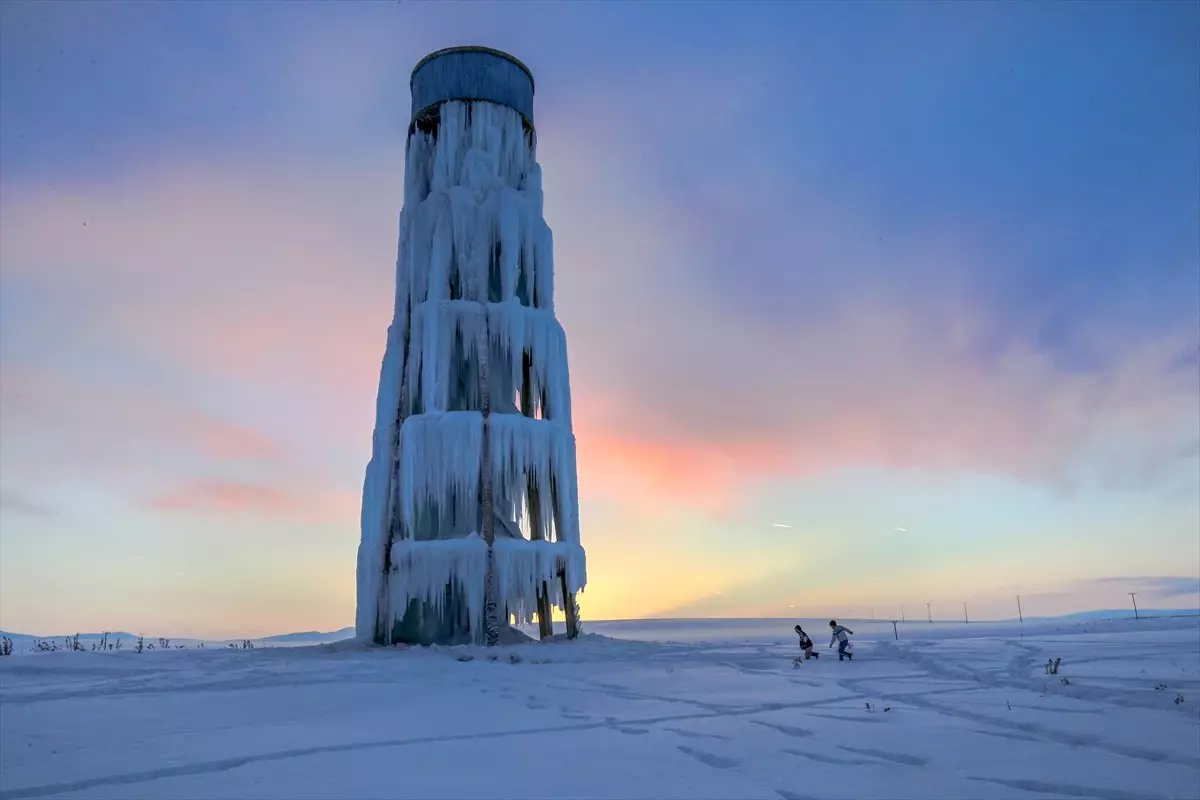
point(311, 636)
point(23, 641)
point(1125, 612)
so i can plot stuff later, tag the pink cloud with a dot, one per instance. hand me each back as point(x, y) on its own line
point(222, 497)
point(235, 274)
point(95, 421)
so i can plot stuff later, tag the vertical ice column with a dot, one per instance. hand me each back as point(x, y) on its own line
point(470, 498)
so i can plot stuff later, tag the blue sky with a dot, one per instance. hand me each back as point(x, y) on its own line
point(845, 267)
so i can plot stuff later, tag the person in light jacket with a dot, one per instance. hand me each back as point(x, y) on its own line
point(839, 636)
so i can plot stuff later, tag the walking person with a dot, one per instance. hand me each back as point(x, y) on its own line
point(839, 636)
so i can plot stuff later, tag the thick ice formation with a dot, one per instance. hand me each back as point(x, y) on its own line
point(424, 569)
point(475, 271)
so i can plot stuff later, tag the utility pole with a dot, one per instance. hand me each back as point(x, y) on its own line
point(965, 619)
point(929, 612)
point(894, 631)
point(1020, 614)
point(1133, 597)
point(902, 619)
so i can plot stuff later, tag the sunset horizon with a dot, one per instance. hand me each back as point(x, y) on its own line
point(863, 311)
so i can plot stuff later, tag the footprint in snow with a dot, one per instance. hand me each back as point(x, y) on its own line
point(785, 794)
point(708, 759)
point(897, 758)
point(696, 734)
point(787, 730)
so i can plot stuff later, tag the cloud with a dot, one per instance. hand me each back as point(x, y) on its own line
point(61, 430)
point(893, 354)
point(219, 495)
point(214, 496)
point(692, 378)
point(15, 502)
point(1161, 587)
point(234, 273)
point(91, 425)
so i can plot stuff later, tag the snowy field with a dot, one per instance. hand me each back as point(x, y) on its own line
point(713, 709)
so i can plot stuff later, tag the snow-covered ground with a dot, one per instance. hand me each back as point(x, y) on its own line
point(955, 711)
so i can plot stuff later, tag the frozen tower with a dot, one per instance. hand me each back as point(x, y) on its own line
point(469, 511)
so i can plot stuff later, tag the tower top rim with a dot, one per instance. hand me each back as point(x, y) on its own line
point(471, 48)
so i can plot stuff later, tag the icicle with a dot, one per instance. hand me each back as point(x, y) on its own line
point(439, 464)
point(508, 234)
point(538, 449)
point(403, 270)
point(452, 127)
point(525, 567)
point(416, 168)
point(441, 247)
point(376, 502)
point(544, 264)
point(443, 342)
point(520, 329)
point(423, 570)
point(532, 189)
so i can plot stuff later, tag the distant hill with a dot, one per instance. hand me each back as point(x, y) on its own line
point(23, 642)
point(1123, 613)
point(309, 636)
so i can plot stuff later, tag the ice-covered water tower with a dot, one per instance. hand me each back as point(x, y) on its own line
point(469, 514)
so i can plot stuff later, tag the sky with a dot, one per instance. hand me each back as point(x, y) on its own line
point(867, 304)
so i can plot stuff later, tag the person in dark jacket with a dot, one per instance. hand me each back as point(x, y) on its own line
point(806, 644)
point(839, 636)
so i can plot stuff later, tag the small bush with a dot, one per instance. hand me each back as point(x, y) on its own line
point(141, 644)
point(1052, 666)
point(6, 646)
